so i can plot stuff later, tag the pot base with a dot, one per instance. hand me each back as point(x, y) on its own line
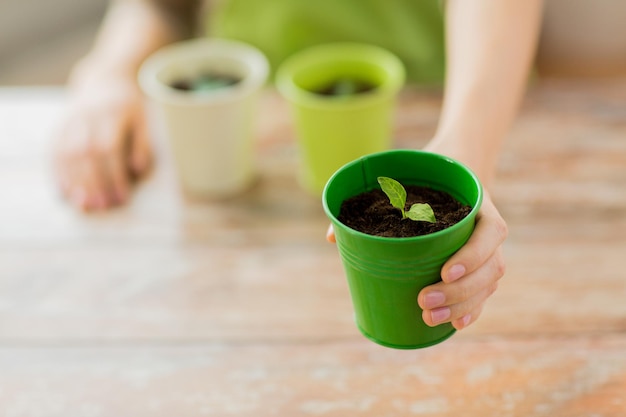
point(406, 347)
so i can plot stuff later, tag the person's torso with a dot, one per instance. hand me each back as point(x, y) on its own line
point(412, 29)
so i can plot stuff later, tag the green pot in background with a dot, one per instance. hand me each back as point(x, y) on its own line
point(385, 275)
point(333, 130)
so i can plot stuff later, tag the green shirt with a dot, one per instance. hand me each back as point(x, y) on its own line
point(412, 29)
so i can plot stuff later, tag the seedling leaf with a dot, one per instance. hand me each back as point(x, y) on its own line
point(395, 191)
point(421, 212)
point(397, 197)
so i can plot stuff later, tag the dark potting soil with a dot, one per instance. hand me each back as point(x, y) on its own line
point(372, 213)
point(345, 87)
point(205, 83)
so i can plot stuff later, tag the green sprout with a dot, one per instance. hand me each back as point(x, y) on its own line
point(397, 197)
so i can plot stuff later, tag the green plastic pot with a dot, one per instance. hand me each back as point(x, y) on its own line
point(331, 130)
point(385, 275)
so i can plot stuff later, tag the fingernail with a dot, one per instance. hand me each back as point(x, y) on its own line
point(434, 299)
point(440, 315)
point(466, 319)
point(455, 272)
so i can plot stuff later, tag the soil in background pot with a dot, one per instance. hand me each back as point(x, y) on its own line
point(205, 82)
point(345, 87)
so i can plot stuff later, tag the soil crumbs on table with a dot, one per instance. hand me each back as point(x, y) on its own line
point(372, 213)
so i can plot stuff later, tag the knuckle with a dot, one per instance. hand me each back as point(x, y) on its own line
point(463, 293)
point(493, 288)
point(472, 256)
point(501, 228)
point(500, 267)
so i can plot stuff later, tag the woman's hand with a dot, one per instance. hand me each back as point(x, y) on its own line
point(470, 276)
point(102, 146)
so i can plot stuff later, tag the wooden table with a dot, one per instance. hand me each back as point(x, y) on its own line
point(240, 308)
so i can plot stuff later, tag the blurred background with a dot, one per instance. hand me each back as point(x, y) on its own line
point(41, 39)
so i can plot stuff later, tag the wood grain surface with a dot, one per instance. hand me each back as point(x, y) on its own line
point(171, 307)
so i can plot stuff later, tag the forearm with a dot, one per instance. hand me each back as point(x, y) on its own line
point(131, 31)
point(490, 45)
